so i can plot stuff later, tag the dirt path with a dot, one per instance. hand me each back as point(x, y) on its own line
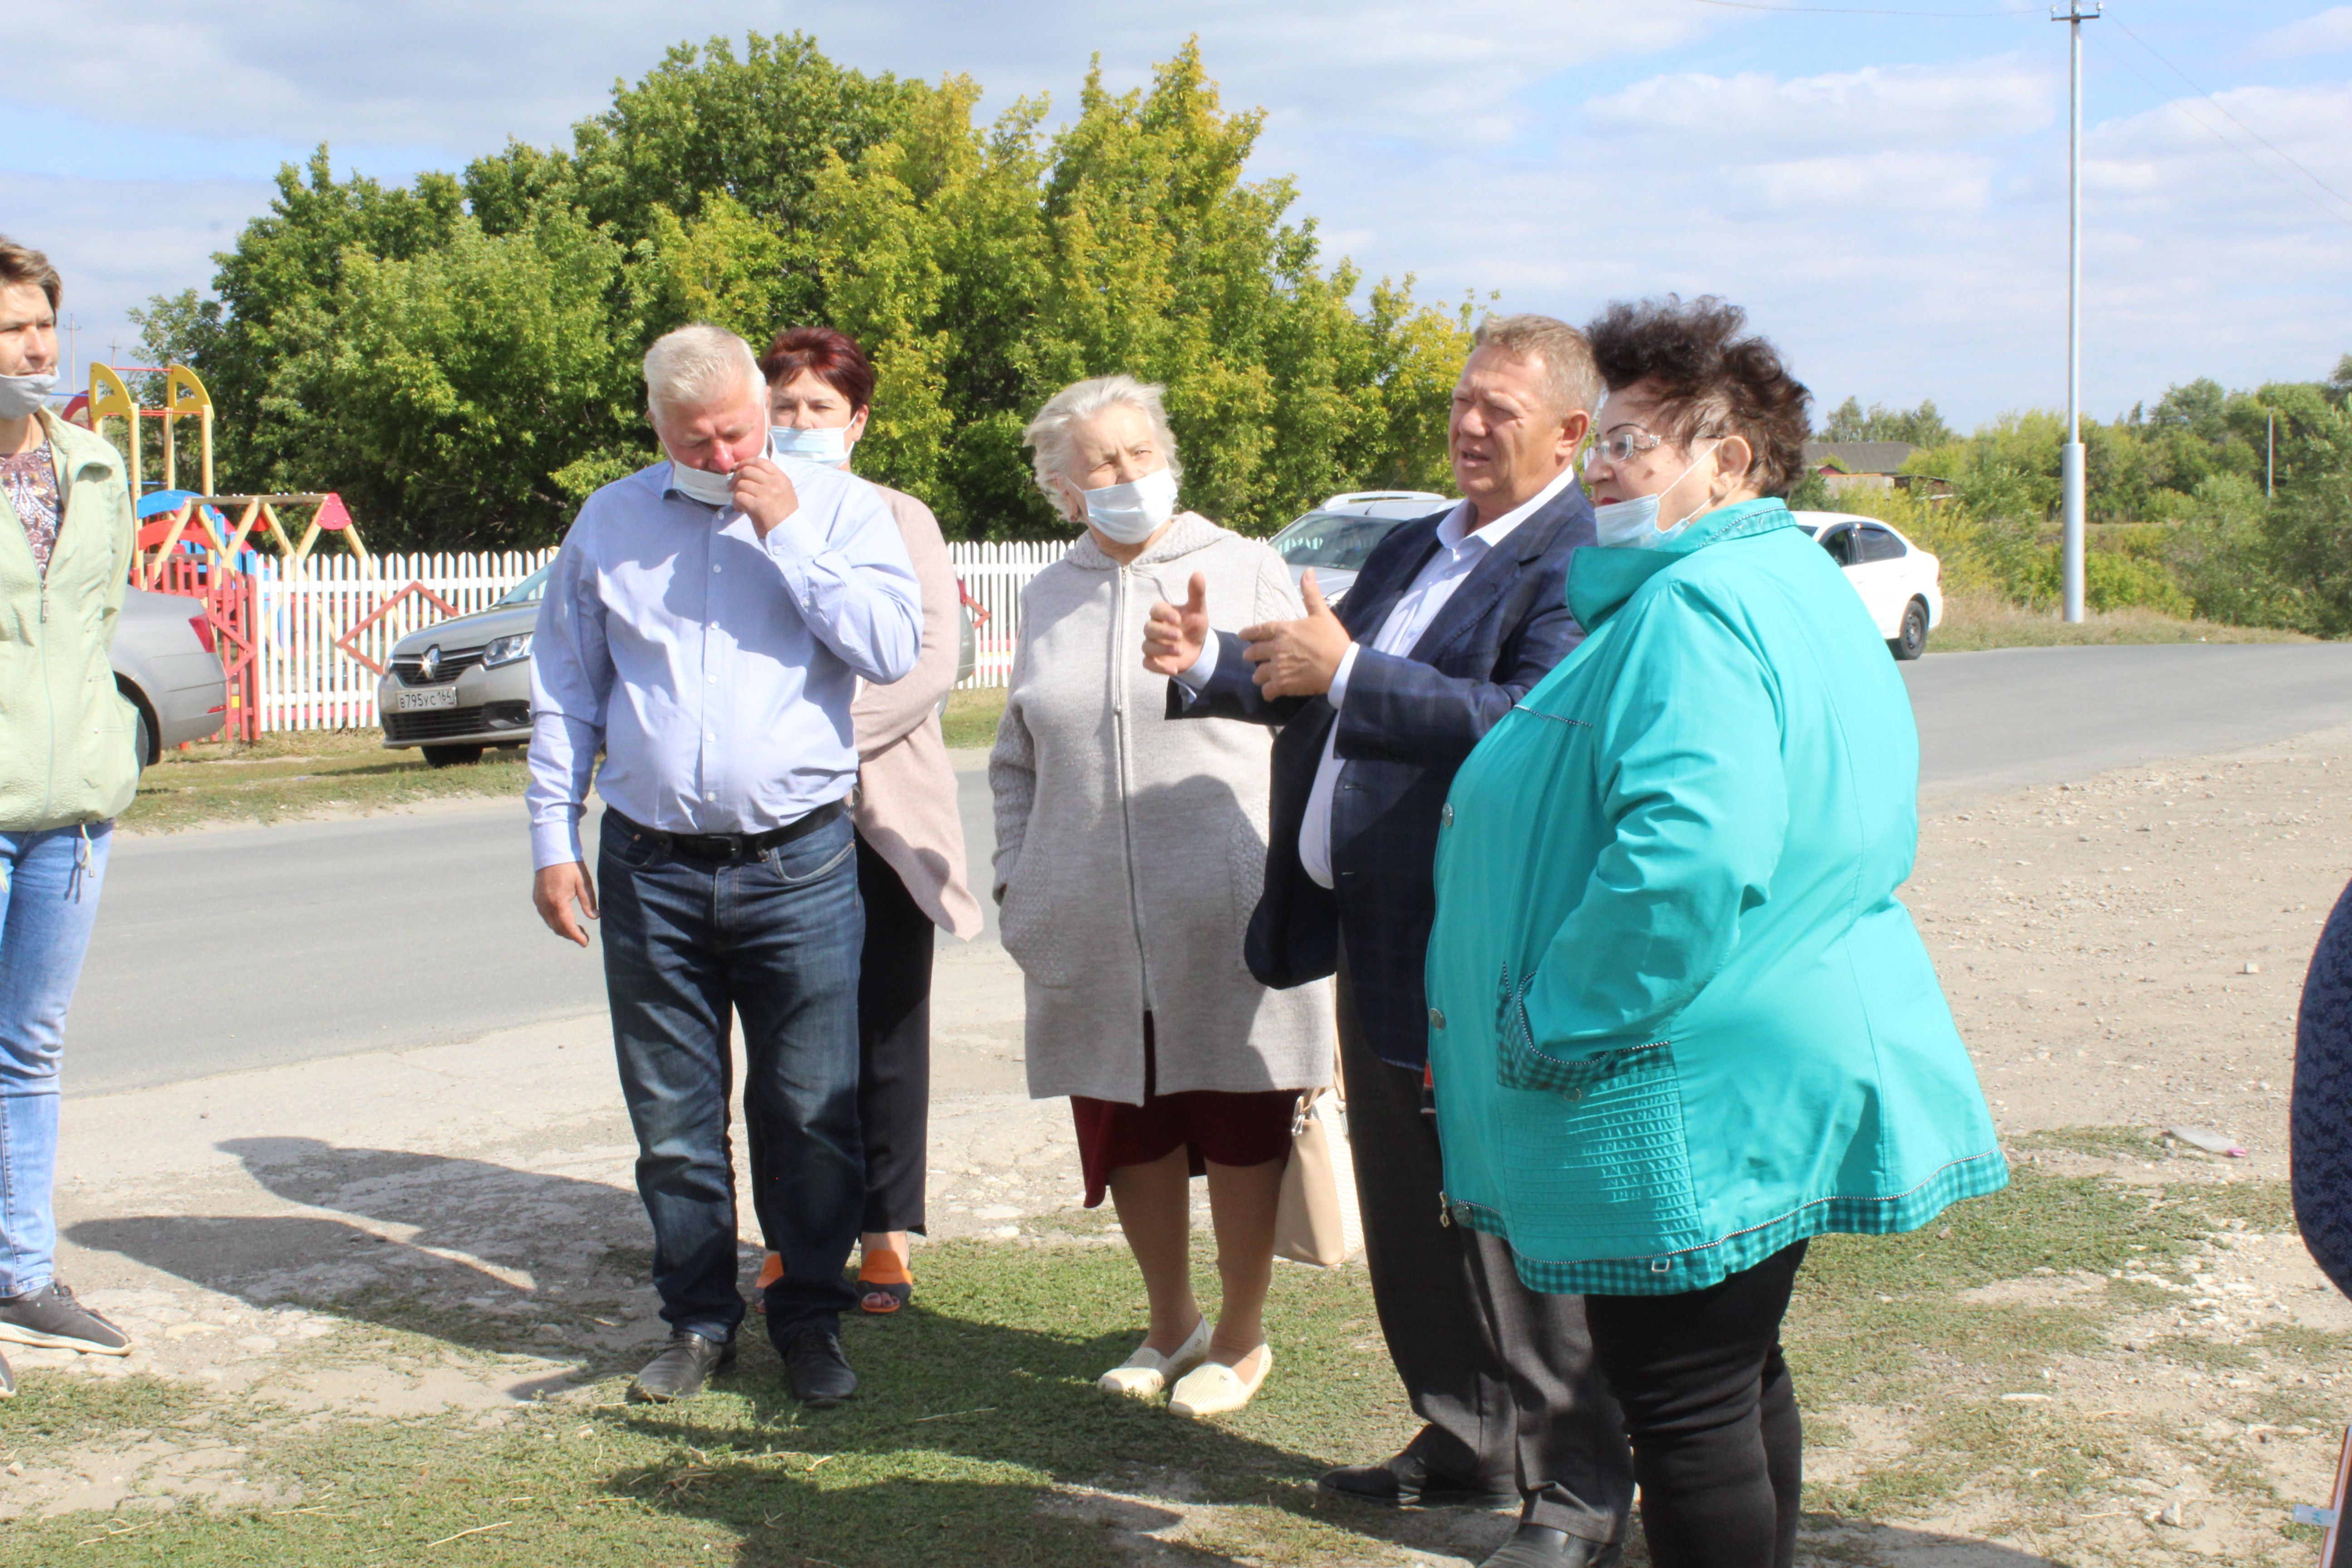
point(452, 1230)
point(2130, 950)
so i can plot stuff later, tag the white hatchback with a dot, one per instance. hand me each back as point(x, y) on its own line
point(1901, 585)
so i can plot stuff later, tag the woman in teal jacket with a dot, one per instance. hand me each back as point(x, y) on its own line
point(1679, 1022)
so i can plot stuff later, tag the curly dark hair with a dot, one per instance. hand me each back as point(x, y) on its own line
point(1709, 380)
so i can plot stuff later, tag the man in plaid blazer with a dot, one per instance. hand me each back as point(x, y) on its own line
point(1451, 620)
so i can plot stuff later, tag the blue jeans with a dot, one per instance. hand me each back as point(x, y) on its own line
point(774, 941)
point(48, 902)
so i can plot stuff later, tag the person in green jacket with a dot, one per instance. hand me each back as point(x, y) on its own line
point(66, 768)
point(1679, 1021)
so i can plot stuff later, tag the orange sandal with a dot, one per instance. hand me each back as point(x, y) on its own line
point(771, 1269)
point(884, 1283)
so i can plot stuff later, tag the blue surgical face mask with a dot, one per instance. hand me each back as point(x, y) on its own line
point(1131, 513)
point(830, 448)
point(1633, 524)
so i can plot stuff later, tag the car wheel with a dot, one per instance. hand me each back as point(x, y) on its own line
point(1912, 640)
point(452, 756)
point(141, 737)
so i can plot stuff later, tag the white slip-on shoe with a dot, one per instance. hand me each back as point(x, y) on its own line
point(1147, 1371)
point(1213, 1388)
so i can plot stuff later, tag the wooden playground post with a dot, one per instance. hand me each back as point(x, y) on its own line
point(111, 399)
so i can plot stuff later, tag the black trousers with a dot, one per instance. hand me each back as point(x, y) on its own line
point(894, 1045)
point(1503, 1375)
point(1718, 1443)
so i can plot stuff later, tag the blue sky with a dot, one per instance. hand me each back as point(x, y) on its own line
point(1886, 194)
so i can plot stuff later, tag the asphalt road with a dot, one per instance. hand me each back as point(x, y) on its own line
point(222, 950)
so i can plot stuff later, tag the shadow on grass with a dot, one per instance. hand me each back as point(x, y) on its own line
point(978, 1436)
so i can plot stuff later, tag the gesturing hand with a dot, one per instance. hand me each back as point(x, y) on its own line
point(553, 890)
point(1297, 658)
point(765, 495)
point(1174, 638)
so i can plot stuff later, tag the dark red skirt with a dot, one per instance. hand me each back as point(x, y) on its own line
point(1230, 1127)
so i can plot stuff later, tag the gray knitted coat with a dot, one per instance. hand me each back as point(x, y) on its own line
point(1129, 849)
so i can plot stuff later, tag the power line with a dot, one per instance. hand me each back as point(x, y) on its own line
point(2234, 120)
point(1861, 10)
point(2206, 126)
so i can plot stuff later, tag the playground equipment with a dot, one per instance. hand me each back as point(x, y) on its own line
point(186, 543)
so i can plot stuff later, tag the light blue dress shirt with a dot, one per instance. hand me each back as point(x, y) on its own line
point(715, 667)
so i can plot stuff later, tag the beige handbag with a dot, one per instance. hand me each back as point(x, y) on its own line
point(1308, 1226)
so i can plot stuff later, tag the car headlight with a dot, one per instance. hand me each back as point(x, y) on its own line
point(506, 650)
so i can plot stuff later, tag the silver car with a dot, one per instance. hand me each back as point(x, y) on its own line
point(167, 662)
point(456, 687)
point(1336, 537)
point(465, 684)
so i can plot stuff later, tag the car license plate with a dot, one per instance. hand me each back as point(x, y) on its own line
point(421, 701)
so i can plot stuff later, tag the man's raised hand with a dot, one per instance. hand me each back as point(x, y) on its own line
point(1299, 658)
point(765, 494)
point(1173, 636)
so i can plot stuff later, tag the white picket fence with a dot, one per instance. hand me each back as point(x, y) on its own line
point(307, 677)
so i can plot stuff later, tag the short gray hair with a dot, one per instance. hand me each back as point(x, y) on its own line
point(1048, 435)
point(1571, 380)
point(693, 366)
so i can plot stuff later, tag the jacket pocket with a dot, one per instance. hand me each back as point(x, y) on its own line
point(1025, 923)
point(109, 762)
point(1600, 1170)
point(1520, 1064)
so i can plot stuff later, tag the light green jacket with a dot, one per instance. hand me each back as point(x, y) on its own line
point(66, 733)
point(1679, 1020)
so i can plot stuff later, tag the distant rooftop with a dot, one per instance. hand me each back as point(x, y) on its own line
point(1858, 456)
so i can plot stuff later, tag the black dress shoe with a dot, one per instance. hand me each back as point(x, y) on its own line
point(679, 1371)
point(1540, 1546)
point(816, 1371)
point(1405, 1482)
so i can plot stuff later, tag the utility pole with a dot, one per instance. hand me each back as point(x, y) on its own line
point(2270, 454)
point(2073, 13)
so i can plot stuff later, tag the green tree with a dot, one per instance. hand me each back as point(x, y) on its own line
point(460, 357)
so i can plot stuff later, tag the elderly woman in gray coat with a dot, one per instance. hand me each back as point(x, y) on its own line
point(1129, 854)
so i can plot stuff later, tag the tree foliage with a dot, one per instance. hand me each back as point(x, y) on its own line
point(460, 357)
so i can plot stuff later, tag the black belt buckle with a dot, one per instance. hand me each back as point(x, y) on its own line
point(733, 848)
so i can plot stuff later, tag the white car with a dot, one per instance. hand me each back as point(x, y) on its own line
point(1901, 585)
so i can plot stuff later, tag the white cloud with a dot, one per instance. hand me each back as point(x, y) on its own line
point(1754, 117)
point(1899, 228)
point(2328, 33)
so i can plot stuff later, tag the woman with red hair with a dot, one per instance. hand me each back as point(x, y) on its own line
point(910, 855)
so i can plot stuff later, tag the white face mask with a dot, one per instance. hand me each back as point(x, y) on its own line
point(1131, 513)
point(702, 485)
point(830, 448)
point(1623, 524)
point(21, 394)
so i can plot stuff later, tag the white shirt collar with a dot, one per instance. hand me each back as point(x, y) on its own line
point(1456, 528)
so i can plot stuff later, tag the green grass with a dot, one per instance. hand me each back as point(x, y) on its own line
point(1975, 621)
point(972, 716)
point(979, 1439)
point(299, 773)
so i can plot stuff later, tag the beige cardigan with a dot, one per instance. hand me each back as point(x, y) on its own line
point(906, 788)
point(1130, 847)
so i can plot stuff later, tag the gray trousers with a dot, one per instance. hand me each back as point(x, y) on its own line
point(1503, 1375)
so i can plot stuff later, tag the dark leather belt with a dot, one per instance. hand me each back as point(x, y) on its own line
point(726, 848)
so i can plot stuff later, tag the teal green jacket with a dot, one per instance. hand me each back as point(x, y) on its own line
point(65, 732)
point(1678, 1019)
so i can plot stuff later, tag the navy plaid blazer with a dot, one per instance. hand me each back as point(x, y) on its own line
point(1410, 721)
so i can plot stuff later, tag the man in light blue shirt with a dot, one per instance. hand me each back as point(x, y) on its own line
point(705, 626)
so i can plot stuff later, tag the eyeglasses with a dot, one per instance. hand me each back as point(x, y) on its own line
point(1621, 446)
